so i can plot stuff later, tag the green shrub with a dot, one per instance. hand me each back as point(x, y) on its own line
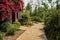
point(28, 22)
point(25, 19)
point(52, 27)
point(1, 37)
point(4, 25)
point(36, 18)
point(16, 25)
point(11, 29)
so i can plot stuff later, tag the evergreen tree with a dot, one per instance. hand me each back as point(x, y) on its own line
point(29, 8)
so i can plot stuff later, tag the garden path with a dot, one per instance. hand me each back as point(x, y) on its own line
point(34, 32)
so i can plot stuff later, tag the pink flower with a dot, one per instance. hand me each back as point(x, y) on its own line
point(2, 5)
point(8, 7)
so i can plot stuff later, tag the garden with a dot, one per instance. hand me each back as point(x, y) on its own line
point(28, 16)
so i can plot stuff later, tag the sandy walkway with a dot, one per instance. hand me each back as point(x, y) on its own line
point(35, 32)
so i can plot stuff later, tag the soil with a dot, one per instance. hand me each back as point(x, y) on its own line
point(13, 37)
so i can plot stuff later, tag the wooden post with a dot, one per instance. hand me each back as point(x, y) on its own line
point(16, 19)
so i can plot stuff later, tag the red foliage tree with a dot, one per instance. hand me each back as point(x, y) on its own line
point(9, 6)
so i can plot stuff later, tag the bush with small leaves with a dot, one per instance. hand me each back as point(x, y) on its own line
point(11, 29)
point(3, 26)
point(52, 26)
point(16, 25)
point(1, 37)
point(36, 18)
point(25, 19)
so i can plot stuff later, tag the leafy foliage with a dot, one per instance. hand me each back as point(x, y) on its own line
point(29, 8)
point(52, 24)
point(11, 29)
point(1, 37)
point(4, 25)
point(37, 14)
point(50, 1)
point(25, 18)
point(16, 25)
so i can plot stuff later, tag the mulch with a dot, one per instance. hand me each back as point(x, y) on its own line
point(13, 37)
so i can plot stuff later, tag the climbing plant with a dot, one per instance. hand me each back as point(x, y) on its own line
point(9, 6)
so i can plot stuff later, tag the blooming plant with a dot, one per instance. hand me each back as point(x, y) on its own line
point(9, 6)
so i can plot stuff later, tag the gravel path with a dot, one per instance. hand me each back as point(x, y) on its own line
point(34, 32)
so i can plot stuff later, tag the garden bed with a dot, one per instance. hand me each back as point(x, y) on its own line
point(13, 37)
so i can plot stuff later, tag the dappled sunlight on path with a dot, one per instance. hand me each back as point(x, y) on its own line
point(34, 32)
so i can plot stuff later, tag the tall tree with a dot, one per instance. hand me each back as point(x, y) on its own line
point(29, 8)
point(57, 2)
point(49, 1)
